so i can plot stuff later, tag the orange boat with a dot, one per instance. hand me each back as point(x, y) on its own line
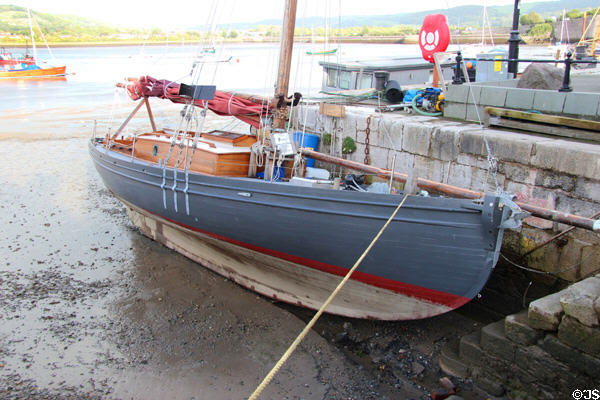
point(34, 73)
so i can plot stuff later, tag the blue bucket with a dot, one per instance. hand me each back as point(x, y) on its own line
point(310, 141)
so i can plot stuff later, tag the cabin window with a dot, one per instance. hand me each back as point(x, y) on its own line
point(332, 78)
point(364, 81)
point(345, 79)
point(155, 150)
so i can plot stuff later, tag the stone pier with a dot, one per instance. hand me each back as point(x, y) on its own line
point(545, 171)
point(545, 352)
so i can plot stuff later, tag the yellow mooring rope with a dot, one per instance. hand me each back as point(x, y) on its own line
point(314, 319)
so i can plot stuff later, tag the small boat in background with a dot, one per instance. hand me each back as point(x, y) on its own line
point(8, 58)
point(32, 71)
point(322, 53)
point(26, 66)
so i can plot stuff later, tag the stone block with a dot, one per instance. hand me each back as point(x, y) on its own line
point(469, 349)
point(444, 143)
point(457, 93)
point(460, 175)
point(517, 329)
point(582, 362)
point(474, 95)
point(582, 337)
point(495, 342)
point(380, 156)
point(507, 146)
point(455, 110)
point(581, 104)
point(587, 188)
point(570, 259)
point(545, 313)
point(553, 180)
point(392, 135)
point(549, 101)
point(572, 158)
point(488, 383)
point(475, 113)
point(417, 138)
point(520, 98)
point(361, 121)
point(578, 301)
point(541, 198)
point(570, 204)
point(405, 162)
point(518, 173)
point(540, 364)
point(471, 142)
point(493, 96)
point(472, 160)
point(451, 363)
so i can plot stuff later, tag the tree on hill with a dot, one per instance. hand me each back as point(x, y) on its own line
point(532, 18)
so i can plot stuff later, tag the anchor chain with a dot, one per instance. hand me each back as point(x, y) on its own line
point(367, 141)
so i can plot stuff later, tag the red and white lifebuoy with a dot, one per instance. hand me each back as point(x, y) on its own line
point(434, 36)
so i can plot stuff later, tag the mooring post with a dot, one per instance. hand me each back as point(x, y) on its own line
point(567, 77)
point(458, 74)
point(513, 43)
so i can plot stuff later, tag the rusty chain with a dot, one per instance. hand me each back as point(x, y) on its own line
point(367, 141)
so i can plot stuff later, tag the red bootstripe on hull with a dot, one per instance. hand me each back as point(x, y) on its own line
point(435, 296)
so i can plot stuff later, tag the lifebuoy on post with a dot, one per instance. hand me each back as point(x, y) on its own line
point(434, 36)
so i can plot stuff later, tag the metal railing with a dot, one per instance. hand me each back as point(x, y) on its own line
point(568, 61)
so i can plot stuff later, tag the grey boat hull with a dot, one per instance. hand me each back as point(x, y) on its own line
point(295, 243)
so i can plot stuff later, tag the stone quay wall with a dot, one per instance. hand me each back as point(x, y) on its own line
point(545, 171)
point(545, 352)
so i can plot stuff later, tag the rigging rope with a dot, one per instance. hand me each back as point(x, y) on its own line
point(314, 319)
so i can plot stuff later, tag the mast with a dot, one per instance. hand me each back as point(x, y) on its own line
point(285, 60)
point(31, 32)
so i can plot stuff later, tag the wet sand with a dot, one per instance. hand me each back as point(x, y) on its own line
point(90, 308)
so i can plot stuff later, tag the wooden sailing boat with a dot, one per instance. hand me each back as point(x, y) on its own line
point(198, 193)
point(28, 67)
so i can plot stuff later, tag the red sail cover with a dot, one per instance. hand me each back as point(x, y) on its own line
point(223, 103)
point(434, 36)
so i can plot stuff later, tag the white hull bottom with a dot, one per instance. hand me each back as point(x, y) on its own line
point(280, 279)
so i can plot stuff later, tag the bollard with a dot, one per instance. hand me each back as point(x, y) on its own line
point(567, 77)
point(458, 78)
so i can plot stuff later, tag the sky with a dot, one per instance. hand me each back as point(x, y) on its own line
point(170, 13)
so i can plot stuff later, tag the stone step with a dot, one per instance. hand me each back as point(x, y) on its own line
point(517, 329)
point(496, 343)
point(450, 361)
point(469, 349)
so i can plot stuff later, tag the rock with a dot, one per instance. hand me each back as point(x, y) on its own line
point(545, 313)
point(541, 76)
point(580, 307)
point(446, 383)
point(578, 301)
point(517, 329)
point(597, 306)
point(580, 336)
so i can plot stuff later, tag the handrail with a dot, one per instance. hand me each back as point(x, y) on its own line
point(567, 61)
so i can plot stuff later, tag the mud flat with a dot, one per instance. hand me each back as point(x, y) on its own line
point(90, 308)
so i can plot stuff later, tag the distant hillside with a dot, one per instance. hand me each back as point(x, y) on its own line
point(14, 28)
point(13, 20)
point(457, 16)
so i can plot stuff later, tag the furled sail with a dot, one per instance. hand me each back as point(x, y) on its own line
point(247, 109)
